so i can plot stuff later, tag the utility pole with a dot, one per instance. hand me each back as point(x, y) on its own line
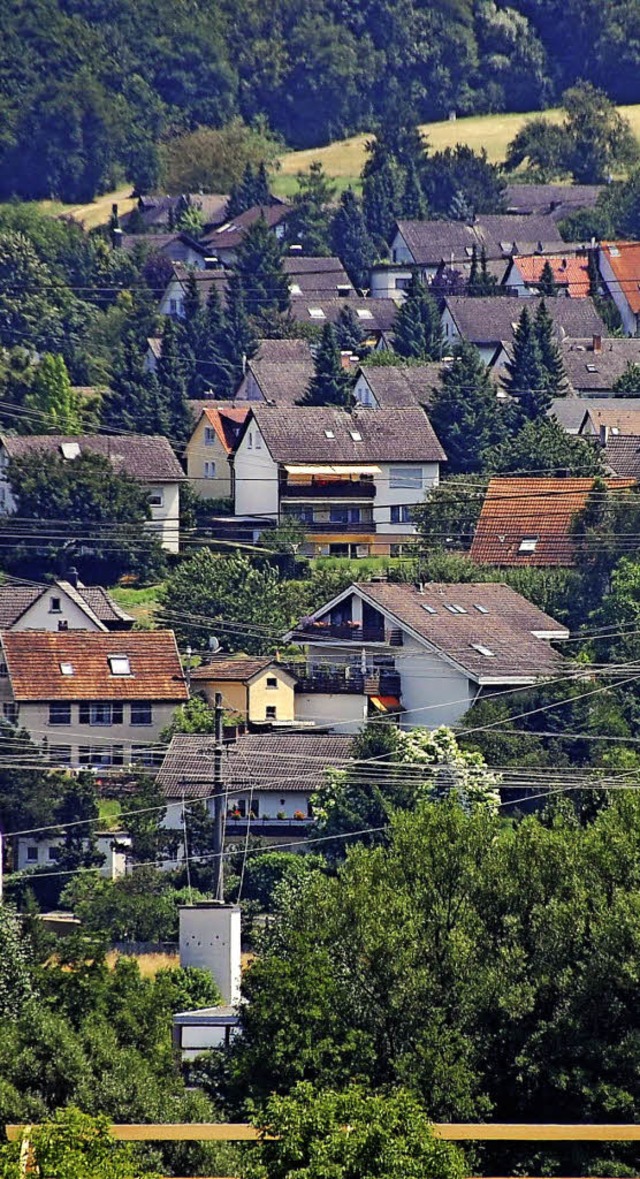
point(218, 796)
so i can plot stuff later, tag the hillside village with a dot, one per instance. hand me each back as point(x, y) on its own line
point(319, 617)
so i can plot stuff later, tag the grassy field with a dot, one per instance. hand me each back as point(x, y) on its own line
point(343, 159)
point(141, 603)
point(97, 212)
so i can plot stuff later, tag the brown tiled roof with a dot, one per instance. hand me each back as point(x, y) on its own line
point(299, 435)
point(229, 235)
point(570, 271)
point(141, 456)
point(317, 276)
point(621, 414)
point(506, 233)
point(376, 315)
point(264, 761)
point(282, 384)
point(103, 605)
point(541, 510)
point(396, 387)
point(282, 351)
point(239, 669)
point(487, 320)
point(596, 372)
point(14, 601)
point(622, 455)
point(624, 260)
point(507, 626)
point(227, 423)
point(433, 242)
point(33, 659)
point(557, 199)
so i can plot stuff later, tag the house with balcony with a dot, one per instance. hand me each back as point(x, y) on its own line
point(89, 699)
point(440, 646)
point(352, 479)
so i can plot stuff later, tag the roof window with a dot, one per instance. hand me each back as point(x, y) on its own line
point(356, 435)
point(329, 434)
point(364, 313)
point(295, 288)
point(70, 450)
point(454, 609)
point(480, 608)
point(591, 368)
point(66, 668)
point(119, 665)
point(528, 544)
point(482, 650)
point(429, 609)
point(316, 312)
point(614, 251)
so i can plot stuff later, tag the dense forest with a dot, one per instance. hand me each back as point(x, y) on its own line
point(89, 91)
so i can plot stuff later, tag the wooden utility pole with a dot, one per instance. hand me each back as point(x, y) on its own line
point(218, 798)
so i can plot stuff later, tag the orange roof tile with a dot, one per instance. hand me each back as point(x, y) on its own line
point(226, 423)
point(34, 660)
point(624, 260)
point(527, 521)
point(570, 271)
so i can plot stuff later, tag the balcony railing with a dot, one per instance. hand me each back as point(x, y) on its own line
point(380, 682)
point(339, 489)
point(339, 526)
point(351, 631)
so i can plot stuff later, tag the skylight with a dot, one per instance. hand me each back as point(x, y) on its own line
point(356, 435)
point(70, 450)
point(316, 312)
point(454, 609)
point(66, 668)
point(482, 650)
point(479, 608)
point(119, 665)
point(295, 288)
point(364, 313)
point(329, 434)
point(429, 609)
point(528, 544)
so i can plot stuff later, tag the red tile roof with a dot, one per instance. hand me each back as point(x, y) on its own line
point(537, 511)
point(226, 423)
point(570, 271)
point(624, 260)
point(34, 661)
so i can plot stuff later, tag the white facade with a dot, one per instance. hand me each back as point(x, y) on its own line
point(32, 854)
point(210, 939)
point(399, 487)
point(256, 477)
point(55, 610)
point(83, 746)
point(389, 282)
point(342, 712)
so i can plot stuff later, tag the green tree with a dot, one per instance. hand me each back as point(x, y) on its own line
point(628, 384)
point(258, 266)
point(350, 1134)
point(527, 379)
point(417, 330)
point(51, 398)
point(330, 383)
point(555, 376)
point(542, 447)
point(142, 907)
point(193, 717)
point(348, 330)
point(459, 176)
point(449, 514)
point(239, 341)
point(480, 282)
point(465, 412)
point(351, 240)
point(547, 285)
point(310, 220)
point(600, 138)
point(16, 987)
point(540, 145)
point(73, 1145)
point(173, 373)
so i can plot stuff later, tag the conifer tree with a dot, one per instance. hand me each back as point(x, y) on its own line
point(215, 367)
point(243, 194)
point(382, 200)
point(309, 223)
point(555, 380)
point(465, 412)
point(53, 399)
point(480, 281)
point(352, 241)
point(348, 329)
point(258, 265)
point(547, 285)
point(527, 378)
point(134, 401)
point(417, 329)
point(191, 302)
point(414, 205)
point(239, 342)
point(172, 377)
point(261, 191)
point(330, 384)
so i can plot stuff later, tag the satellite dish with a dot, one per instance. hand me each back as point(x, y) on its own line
point(214, 644)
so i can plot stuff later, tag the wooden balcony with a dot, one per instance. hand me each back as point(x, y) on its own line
point(380, 682)
point(313, 632)
point(338, 489)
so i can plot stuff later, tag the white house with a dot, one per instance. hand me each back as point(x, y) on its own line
point(63, 605)
point(440, 646)
point(147, 458)
point(32, 854)
point(352, 479)
point(618, 263)
point(172, 301)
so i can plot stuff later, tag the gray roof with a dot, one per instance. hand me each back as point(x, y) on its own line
point(395, 386)
point(299, 435)
point(595, 372)
point(557, 199)
point(320, 277)
point(229, 234)
point(141, 456)
point(374, 315)
point(282, 351)
point(205, 279)
point(433, 242)
point(283, 384)
point(568, 412)
point(102, 604)
point(506, 629)
point(488, 320)
point(622, 455)
point(262, 761)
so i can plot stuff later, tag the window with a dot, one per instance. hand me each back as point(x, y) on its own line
point(249, 441)
point(63, 624)
point(3, 669)
point(60, 755)
point(209, 470)
point(209, 436)
point(101, 755)
point(429, 609)
point(405, 477)
point(70, 450)
point(270, 712)
point(344, 515)
point(272, 681)
point(141, 712)
point(401, 514)
point(356, 435)
point(453, 609)
point(403, 284)
point(32, 855)
point(173, 306)
point(295, 288)
point(59, 713)
point(156, 498)
point(66, 668)
point(329, 434)
point(482, 650)
point(479, 608)
point(528, 544)
point(258, 441)
point(10, 712)
point(54, 606)
point(316, 313)
point(364, 313)
point(54, 853)
point(119, 665)
point(143, 756)
point(100, 712)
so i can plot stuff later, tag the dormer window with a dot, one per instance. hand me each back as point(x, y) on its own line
point(66, 668)
point(119, 665)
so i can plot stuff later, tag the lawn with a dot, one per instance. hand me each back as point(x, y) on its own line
point(96, 212)
point(141, 603)
point(109, 811)
point(343, 159)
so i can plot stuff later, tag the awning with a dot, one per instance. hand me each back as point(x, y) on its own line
point(385, 703)
point(355, 469)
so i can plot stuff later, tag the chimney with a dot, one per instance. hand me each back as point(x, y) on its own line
point(345, 360)
point(73, 577)
point(604, 434)
point(210, 939)
point(116, 237)
point(596, 345)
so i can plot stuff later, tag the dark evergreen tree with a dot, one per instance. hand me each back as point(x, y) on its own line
point(258, 265)
point(239, 341)
point(133, 401)
point(351, 240)
point(331, 383)
point(382, 201)
point(348, 330)
point(417, 329)
point(465, 412)
point(243, 194)
point(173, 375)
point(414, 205)
point(309, 223)
point(547, 285)
point(556, 379)
point(527, 378)
point(261, 191)
point(191, 302)
point(216, 370)
point(480, 281)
